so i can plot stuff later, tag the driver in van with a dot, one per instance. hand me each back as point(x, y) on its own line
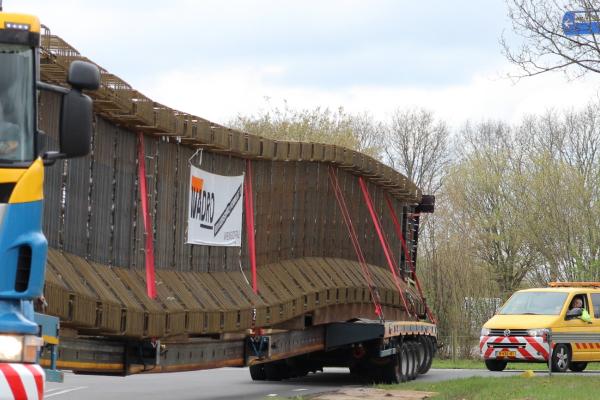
point(576, 303)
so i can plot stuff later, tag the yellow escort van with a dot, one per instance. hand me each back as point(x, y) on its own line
point(566, 314)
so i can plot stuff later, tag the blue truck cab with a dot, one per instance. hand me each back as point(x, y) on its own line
point(23, 246)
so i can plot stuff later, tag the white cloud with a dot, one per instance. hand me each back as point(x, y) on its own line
point(221, 95)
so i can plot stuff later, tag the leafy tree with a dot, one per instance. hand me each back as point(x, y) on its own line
point(320, 125)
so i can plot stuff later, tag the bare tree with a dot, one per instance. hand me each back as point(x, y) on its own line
point(416, 144)
point(545, 47)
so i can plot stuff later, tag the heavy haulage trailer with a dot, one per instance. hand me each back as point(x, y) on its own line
point(387, 352)
point(325, 274)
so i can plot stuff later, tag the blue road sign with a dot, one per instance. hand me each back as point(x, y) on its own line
point(581, 23)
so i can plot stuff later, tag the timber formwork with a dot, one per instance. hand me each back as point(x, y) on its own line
point(307, 267)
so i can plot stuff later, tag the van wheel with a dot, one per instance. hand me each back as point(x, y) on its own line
point(577, 366)
point(496, 365)
point(561, 358)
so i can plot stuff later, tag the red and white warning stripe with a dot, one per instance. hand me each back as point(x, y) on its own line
point(21, 382)
point(525, 347)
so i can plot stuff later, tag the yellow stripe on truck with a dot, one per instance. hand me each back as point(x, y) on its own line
point(30, 186)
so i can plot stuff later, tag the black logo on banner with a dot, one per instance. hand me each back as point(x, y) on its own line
point(228, 210)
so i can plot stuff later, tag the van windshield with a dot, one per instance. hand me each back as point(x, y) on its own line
point(534, 303)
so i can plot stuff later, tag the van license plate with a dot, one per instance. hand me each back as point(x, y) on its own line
point(506, 353)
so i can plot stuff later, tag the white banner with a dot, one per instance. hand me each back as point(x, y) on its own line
point(215, 209)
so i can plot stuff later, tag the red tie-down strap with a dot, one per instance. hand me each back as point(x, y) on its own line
point(149, 248)
point(413, 271)
point(375, 298)
point(249, 208)
point(384, 243)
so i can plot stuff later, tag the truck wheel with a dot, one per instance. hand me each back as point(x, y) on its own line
point(561, 358)
point(577, 366)
point(496, 365)
point(257, 372)
point(428, 349)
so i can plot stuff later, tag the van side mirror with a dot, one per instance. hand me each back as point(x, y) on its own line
point(574, 313)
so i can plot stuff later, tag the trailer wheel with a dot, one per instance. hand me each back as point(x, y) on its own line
point(393, 371)
point(276, 370)
point(428, 349)
point(410, 359)
point(257, 372)
point(297, 367)
point(420, 354)
point(404, 362)
point(414, 371)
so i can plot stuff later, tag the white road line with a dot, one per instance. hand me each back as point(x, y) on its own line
point(66, 391)
point(53, 389)
point(298, 390)
point(272, 395)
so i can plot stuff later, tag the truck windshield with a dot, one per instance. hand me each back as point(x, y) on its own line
point(534, 303)
point(16, 104)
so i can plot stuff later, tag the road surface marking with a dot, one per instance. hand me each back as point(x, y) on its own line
point(53, 389)
point(66, 391)
point(298, 390)
point(272, 395)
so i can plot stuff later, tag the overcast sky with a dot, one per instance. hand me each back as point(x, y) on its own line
point(217, 59)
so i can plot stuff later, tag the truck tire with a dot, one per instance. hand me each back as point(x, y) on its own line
point(257, 372)
point(577, 366)
point(561, 358)
point(428, 349)
point(496, 365)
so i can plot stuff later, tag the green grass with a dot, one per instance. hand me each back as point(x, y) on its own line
point(478, 364)
point(514, 387)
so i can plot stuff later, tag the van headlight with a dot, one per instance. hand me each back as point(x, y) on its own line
point(485, 331)
point(537, 332)
point(19, 348)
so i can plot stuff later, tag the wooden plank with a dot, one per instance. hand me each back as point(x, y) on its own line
point(125, 198)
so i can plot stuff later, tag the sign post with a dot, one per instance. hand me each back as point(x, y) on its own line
point(581, 23)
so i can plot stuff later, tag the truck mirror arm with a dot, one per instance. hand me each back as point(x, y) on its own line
point(52, 88)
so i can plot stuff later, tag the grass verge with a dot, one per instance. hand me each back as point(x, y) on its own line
point(514, 387)
point(478, 364)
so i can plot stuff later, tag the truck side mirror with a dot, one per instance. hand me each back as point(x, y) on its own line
point(83, 75)
point(75, 124)
point(76, 116)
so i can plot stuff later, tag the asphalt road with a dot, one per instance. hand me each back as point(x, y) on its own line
point(220, 384)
